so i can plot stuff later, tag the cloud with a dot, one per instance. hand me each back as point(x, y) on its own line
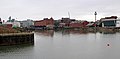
point(79, 9)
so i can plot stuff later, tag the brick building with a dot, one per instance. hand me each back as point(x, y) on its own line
point(78, 24)
point(45, 23)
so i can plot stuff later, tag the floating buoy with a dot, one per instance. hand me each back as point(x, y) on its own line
point(108, 44)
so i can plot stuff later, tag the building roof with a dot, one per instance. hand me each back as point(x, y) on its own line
point(109, 18)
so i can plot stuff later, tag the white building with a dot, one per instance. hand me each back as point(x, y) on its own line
point(26, 24)
point(118, 23)
point(109, 22)
point(14, 24)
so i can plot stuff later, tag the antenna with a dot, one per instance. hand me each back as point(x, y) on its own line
point(69, 14)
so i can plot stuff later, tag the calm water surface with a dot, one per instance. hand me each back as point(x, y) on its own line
point(66, 45)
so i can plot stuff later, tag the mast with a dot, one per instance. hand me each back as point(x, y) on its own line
point(69, 15)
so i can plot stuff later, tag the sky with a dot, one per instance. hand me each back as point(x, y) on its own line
point(39, 9)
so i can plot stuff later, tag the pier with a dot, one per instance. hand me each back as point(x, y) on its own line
point(16, 38)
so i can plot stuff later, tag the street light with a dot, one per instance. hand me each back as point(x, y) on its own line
point(95, 15)
point(95, 19)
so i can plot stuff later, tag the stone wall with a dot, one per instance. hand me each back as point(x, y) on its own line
point(16, 38)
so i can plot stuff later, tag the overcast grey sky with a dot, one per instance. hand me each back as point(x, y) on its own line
point(39, 9)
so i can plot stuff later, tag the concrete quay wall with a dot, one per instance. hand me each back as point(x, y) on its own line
point(16, 38)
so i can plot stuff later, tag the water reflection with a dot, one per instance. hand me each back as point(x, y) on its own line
point(66, 44)
point(76, 44)
point(107, 32)
point(73, 32)
point(14, 48)
point(63, 32)
point(69, 31)
point(17, 52)
point(45, 32)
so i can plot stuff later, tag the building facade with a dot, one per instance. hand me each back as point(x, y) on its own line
point(110, 22)
point(14, 24)
point(27, 23)
point(118, 23)
point(44, 24)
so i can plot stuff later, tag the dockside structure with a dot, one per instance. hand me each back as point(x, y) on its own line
point(16, 38)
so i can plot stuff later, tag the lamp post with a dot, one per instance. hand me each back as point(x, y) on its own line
point(95, 19)
point(95, 15)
